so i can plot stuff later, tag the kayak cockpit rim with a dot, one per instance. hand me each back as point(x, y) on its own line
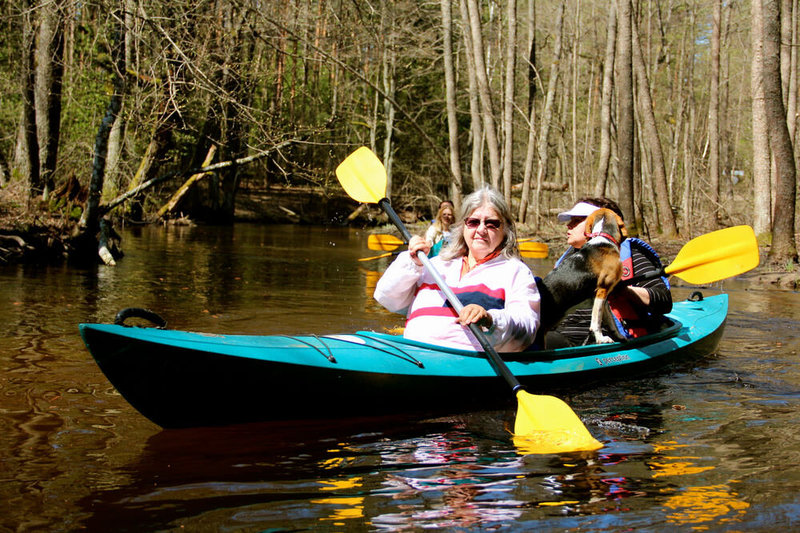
point(672, 328)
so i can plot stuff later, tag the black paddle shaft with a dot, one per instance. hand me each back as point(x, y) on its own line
point(494, 358)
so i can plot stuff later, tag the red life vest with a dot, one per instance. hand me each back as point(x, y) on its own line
point(628, 320)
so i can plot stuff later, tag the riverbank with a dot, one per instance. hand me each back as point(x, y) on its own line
point(26, 238)
point(31, 235)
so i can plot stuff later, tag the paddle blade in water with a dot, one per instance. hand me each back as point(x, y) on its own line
point(533, 249)
point(383, 242)
point(546, 424)
point(717, 255)
point(363, 176)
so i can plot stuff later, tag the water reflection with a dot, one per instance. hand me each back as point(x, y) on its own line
point(710, 445)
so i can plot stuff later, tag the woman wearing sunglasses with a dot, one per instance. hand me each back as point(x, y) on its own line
point(482, 266)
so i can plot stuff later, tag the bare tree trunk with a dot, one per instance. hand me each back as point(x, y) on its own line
point(791, 107)
point(484, 92)
point(49, 75)
point(625, 140)
point(111, 185)
point(90, 220)
point(237, 46)
point(713, 118)
point(389, 60)
point(476, 125)
point(530, 151)
point(115, 140)
point(727, 146)
point(762, 189)
point(373, 122)
point(547, 113)
point(605, 105)
point(4, 170)
point(508, 101)
point(533, 74)
point(785, 48)
point(574, 104)
point(688, 166)
point(783, 240)
point(30, 139)
point(450, 97)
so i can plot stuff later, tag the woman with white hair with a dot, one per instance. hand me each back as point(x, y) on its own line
point(482, 266)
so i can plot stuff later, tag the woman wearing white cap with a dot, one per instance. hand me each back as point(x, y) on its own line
point(638, 307)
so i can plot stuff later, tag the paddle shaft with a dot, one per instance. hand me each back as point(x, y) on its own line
point(653, 274)
point(494, 358)
point(387, 254)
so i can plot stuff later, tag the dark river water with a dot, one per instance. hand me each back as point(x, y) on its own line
point(710, 446)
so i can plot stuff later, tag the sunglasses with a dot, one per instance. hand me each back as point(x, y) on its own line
point(490, 223)
point(574, 221)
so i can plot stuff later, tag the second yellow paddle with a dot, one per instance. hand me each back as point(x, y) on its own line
point(384, 242)
point(533, 249)
point(712, 257)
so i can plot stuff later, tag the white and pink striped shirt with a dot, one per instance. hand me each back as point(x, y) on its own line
point(504, 287)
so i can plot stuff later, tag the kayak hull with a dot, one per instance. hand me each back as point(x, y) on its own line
point(186, 379)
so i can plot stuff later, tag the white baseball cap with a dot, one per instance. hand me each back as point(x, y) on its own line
point(581, 209)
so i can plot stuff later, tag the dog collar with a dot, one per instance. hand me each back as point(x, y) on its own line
point(604, 235)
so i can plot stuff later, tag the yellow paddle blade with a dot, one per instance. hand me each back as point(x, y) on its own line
point(533, 249)
point(717, 255)
point(383, 242)
point(546, 424)
point(363, 176)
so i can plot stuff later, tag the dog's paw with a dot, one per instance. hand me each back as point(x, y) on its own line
point(603, 339)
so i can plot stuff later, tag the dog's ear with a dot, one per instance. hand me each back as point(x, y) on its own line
point(591, 218)
point(622, 229)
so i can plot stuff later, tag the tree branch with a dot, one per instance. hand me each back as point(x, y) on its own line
point(188, 172)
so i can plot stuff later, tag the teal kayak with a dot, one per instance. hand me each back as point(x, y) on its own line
point(187, 379)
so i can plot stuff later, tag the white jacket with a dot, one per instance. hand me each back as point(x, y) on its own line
point(504, 287)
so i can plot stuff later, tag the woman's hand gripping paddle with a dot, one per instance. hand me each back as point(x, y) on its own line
point(547, 423)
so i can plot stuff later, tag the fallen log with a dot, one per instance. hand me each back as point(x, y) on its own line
point(187, 185)
point(546, 186)
point(202, 170)
point(15, 238)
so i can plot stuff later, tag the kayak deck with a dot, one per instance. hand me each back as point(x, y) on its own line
point(180, 378)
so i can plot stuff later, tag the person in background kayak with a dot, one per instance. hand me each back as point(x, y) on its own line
point(638, 307)
point(438, 234)
point(482, 267)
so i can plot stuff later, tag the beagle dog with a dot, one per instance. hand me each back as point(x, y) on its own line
point(594, 269)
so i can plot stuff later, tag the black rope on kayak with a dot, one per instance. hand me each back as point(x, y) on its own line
point(329, 356)
point(138, 312)
point(408, 357)
point(696, 296)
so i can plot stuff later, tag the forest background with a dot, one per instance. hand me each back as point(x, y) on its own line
point(683, 111)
